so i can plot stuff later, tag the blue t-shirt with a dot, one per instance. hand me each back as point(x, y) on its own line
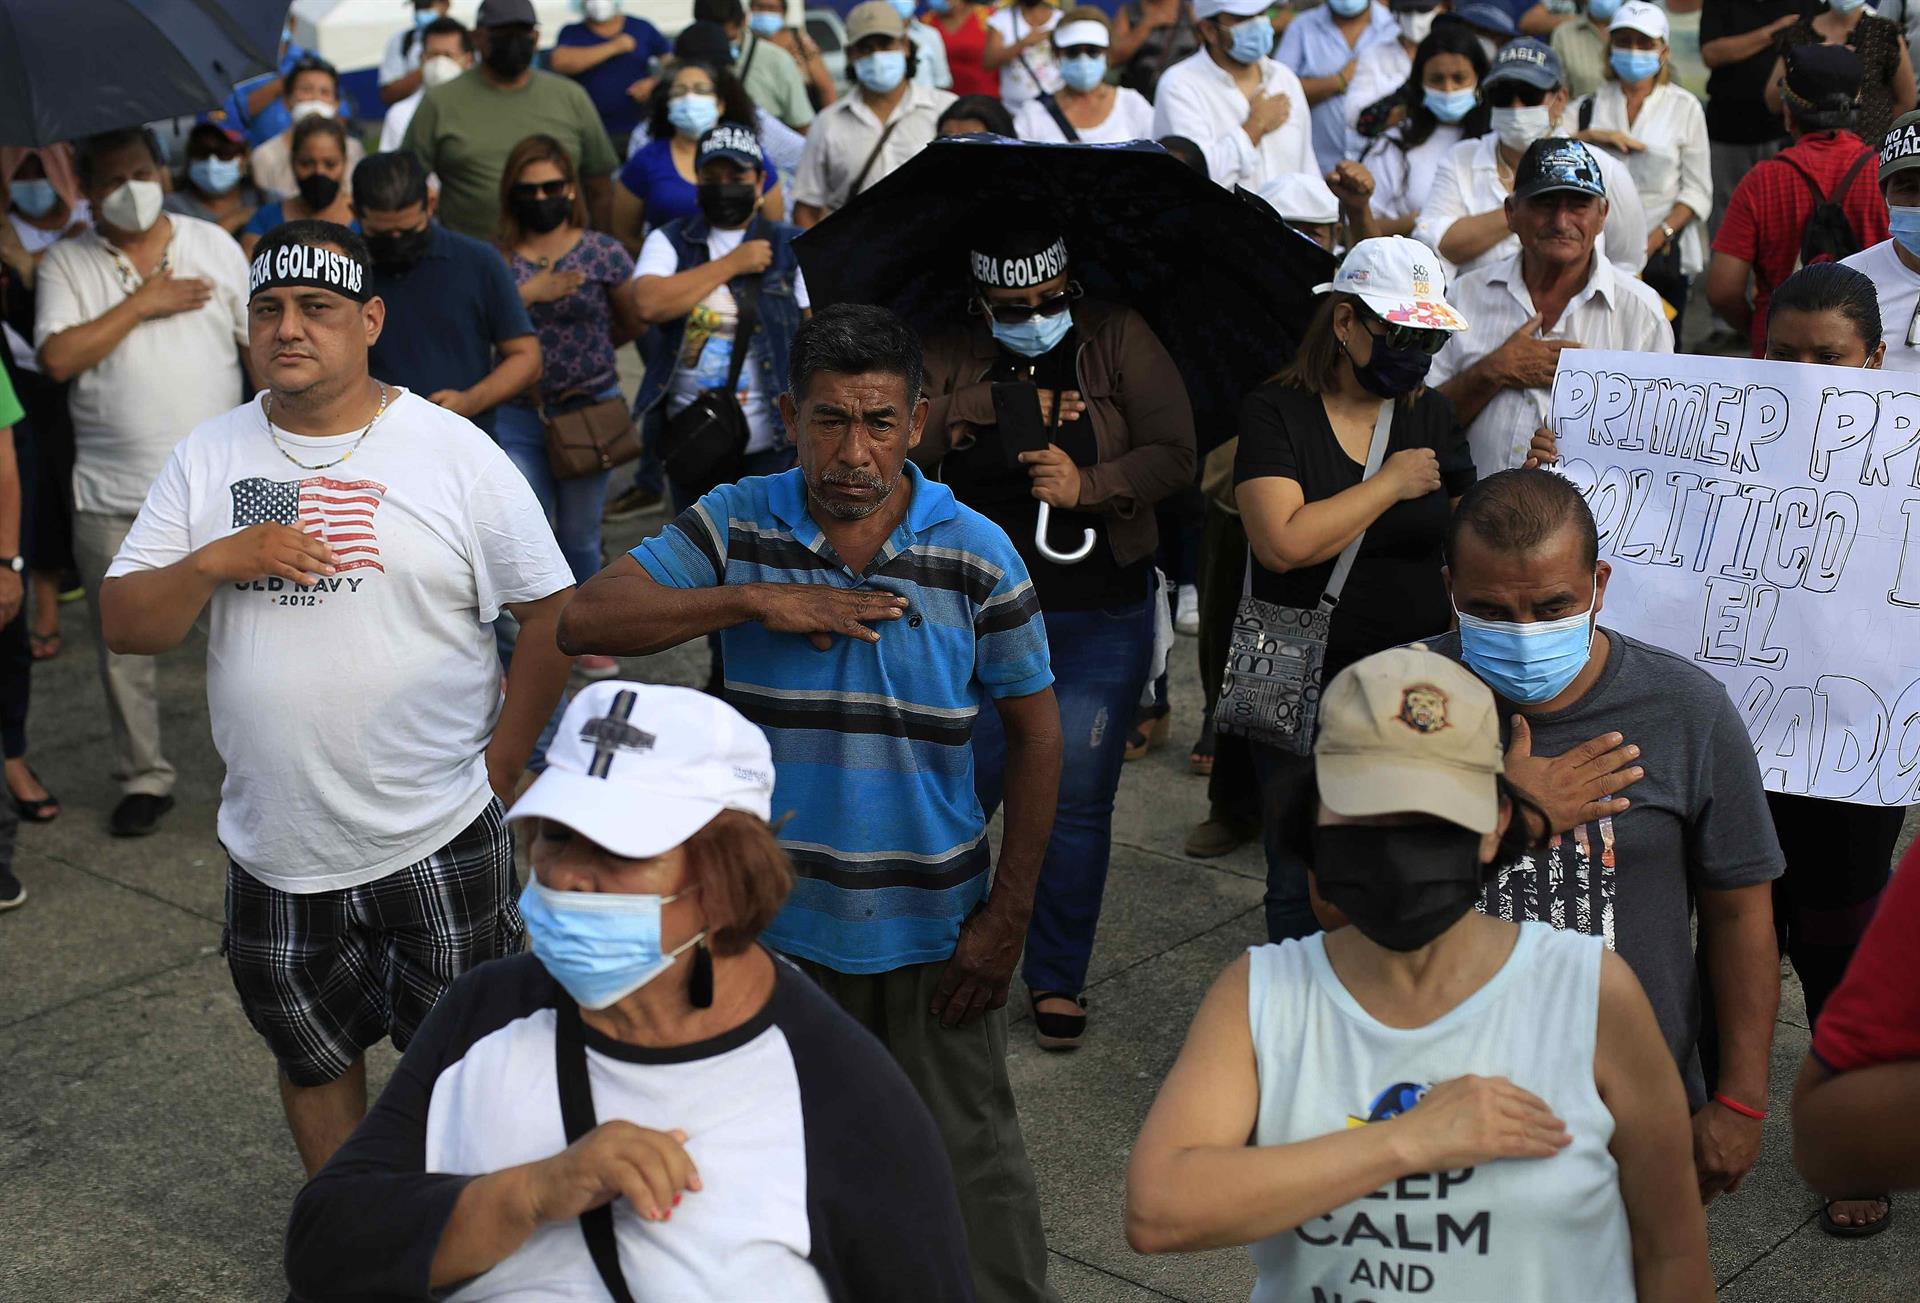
point(668, 196)
point(268, 216)
point(872, 742)
point(606, 83)
point(271, 120)
point(444, 316)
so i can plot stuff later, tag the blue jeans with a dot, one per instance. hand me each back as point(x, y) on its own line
point(1100, 663)
point(1289, 805)
point(572, 506)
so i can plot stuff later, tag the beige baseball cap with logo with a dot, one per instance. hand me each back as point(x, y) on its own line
point(1409, 731)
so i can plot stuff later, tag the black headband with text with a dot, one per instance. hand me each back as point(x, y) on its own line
point(1019, 273)
point(308, 266)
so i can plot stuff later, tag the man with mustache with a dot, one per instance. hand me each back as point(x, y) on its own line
point(866, 616)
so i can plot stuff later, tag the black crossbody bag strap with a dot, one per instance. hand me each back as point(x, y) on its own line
point(1059, 116)
point(577, 1117)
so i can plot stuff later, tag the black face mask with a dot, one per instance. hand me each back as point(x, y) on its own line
point(1392, 372)
point(318, 190)
point(399, 250)
point(509, 54)
point(1401, 884)
point(542, 215)
point(727, 204)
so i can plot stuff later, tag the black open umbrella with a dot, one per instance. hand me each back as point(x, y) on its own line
point(1224, 283)
point(69, 68)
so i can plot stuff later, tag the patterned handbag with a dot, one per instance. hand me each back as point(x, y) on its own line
point(1277, 658)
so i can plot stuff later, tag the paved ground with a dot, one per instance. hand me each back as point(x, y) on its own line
point(143, 1154)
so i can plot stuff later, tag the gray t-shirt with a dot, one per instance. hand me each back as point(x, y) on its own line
point(1698, 821)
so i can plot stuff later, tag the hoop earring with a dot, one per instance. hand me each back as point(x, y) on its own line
point(700, 980)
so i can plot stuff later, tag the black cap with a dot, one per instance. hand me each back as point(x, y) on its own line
point(1819, 74)
point(1558, 164)
point(506, 13)
point(733, 141)
point(704, 42)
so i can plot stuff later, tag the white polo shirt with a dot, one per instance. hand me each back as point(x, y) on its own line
point(1612, 311)
point(843, 137)
point(1468, 182)
point(1899, 287)
point(1674, 168)
point(1198, 99)
point(167, 376)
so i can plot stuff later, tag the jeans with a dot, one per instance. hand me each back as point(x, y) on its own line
point(1288, 808)
point(1100, 663)
point(572, 506)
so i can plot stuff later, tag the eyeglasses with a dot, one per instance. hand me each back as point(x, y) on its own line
point(1084, 52)
point(539, 189)
point(1407, 338)
point(682, 91)
point(1513, 95)
point(1012, 314)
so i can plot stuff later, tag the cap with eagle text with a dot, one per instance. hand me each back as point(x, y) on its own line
point(641, 767)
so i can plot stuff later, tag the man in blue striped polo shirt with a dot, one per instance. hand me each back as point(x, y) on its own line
point(865, 618)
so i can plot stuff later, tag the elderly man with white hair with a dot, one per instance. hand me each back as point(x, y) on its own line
point(1246, 111)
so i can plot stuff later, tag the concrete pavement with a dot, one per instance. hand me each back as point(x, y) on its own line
point(143, 1154)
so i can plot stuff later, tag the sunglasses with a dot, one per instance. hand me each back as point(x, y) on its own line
point(1406, 338)
point(540, 189)
point(1084, 52)
point(1012, 314)
point(1513, 95)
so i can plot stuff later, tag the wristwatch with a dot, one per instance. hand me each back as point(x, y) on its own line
point(1668, 231)
point(13, 563)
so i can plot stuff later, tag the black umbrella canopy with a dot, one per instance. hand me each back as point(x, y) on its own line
point(69, 68)
point(1224, 283)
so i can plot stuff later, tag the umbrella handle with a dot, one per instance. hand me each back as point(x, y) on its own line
point(1046, 549)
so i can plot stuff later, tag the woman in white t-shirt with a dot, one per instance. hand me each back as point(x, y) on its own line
point(1659, 131)
point(1432, 1101)
point(1018, 45)
point(1443, 107)
point(1093, 111)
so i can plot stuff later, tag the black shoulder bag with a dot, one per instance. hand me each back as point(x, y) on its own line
point(576, 1115)
point(704, 444)
point(1059, 116)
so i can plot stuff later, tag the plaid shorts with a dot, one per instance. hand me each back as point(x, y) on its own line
point(326, 975)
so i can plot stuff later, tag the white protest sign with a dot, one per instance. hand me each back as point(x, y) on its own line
point(1763, 521)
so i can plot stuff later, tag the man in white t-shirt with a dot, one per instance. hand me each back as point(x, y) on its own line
point(684, 283)
point(146, 315)
point(401, 63)
point(347, 546)
point(1894, 264)
point(1246, 111)
point(446, 50)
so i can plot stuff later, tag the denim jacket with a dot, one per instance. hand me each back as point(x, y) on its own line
point(779, 312)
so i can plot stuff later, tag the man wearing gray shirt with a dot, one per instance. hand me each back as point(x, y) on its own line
point(1528, 587)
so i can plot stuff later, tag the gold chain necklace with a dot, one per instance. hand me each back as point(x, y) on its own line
point(266, 407)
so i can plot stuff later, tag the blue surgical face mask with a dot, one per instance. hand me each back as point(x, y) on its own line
point(1083, 72)
point(1348, 8)
point(1903, 222)
point(938, 6)
point(693, 115)
point(1034, 337)
point(602, 946)
point(214, 176)
point(766, 24)
point(425, 17)
point(1846, 6)
point(1451, 105)
point(881, 71)
point(1528, 663)
point(34, 196)
point(1635, 65)
point(904, 8)
point(1602, 11)
point(1251, 40)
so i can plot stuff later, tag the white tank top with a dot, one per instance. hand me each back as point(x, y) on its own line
point(1550, 1230)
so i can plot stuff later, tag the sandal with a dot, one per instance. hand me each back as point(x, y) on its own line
point(44, 810)
point(44, 646)
point(1057, 1031)
point(1200, 758)
point(1834, 1228)
point(1149, 734)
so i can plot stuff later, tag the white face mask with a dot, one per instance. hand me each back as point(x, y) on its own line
point(598, 11)
point(440, 69)
point(308, 108)
point(1518, 128)
point(135, 206)
point(1415, 26)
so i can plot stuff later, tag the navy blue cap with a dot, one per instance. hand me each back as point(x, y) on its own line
point(1527, 60)
point(732, 141)
point(1558, 164)
point(1484, 15)
point(1821, 74)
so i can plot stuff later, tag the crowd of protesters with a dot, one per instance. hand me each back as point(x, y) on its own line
point(298, 382)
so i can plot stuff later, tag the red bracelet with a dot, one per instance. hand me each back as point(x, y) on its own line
point(1758, 1115)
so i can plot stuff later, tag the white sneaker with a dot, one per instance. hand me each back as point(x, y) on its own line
point(1186, 610)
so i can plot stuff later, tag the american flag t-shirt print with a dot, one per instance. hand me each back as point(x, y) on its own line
point(338, 512)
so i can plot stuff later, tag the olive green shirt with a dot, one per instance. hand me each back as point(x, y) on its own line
point(464, 130)
point(774, 82)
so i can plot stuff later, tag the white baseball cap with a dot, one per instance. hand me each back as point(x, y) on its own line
point(1402, 280)
point(1232, 8)
point(1639, 16)
point(1081, 32)
point(641, 767)
point(1301, 197)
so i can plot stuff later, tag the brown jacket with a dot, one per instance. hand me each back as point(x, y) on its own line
point(1136, 400)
